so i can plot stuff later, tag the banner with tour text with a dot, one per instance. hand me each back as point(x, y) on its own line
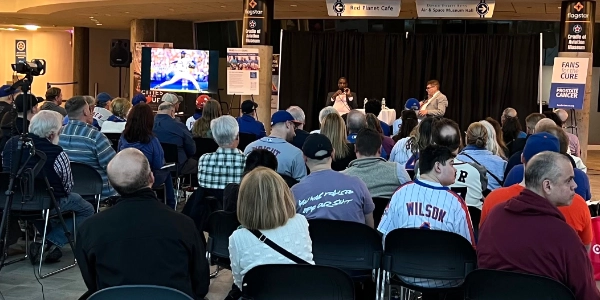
point(568, 82)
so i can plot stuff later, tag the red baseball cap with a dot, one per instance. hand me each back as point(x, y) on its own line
point(201, 100)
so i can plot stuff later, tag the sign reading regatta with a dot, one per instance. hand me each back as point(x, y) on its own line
point(20, 51)
point(254, 22)
point(568, 82)
point(363, 8)
point(243, 67)
point(455, 8)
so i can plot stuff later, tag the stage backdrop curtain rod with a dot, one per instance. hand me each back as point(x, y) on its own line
point(480, 74)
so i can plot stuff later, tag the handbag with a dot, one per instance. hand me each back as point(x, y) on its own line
point(263, 238)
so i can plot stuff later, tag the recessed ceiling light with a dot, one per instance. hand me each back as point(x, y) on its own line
point(170, 9)
point(108, 15)
point(559, 7)
point(8, 29)
point(223, 6)
point(91, 17)
point(293, 5)
point(99, 24)
point(31, 27)
point(126, 12)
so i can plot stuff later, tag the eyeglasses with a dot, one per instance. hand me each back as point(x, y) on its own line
point(429, 87)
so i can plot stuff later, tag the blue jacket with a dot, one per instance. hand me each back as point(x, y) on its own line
point(385, 128)
point(152, 150)
point(168, 130)
point(583, 183)
point(250, 125)
point(493, 163)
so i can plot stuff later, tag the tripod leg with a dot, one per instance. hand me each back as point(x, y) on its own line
point(60, 216)
point(47, 213)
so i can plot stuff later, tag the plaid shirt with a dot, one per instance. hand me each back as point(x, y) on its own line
point(216, 170)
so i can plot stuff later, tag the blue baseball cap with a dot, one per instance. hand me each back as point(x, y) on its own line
point(137, 99)
point(282, 116)
point(6, 90)
point(538, 143)
point(412, 104)
point(103, 98)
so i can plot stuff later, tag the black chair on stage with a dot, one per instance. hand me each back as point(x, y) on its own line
point(204, 145)
point(35, 202)
point(246, 139)
point(427, 254)
point(353, 247)
point(114, 140)
point(139, 292)
point(172, 157)
point(380, 205)
point(297, 282)
point(500, 285)
point(87, 182)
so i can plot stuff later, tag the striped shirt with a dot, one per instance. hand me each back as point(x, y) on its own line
point(84, 144)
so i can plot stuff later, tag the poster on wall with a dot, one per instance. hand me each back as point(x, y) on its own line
point(243, 67)
point(152, 97)
point(275, 85)
point(20, 51)
point(568, 82)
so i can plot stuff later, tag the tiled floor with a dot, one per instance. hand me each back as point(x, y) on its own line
point(17, 281)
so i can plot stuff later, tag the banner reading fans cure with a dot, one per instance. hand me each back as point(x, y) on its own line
point(568, 82)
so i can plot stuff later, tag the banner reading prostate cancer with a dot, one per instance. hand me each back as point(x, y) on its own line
point(568, 82)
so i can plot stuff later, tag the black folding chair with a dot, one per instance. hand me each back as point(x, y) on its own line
point(500, 285)
point(430, 255)
point(380, 205)
point(353, 247)
point(172, 156)
point(37, 204)
point(295, 282)
point(246, 139)
point(204, 145)
point(220, 226)
point(87, 182)
point(114, 140)
point(139, 292)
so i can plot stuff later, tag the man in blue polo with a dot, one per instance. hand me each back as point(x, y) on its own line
point(289, 158)
point(248, 122)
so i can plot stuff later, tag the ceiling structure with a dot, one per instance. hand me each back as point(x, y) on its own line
point(117, 14)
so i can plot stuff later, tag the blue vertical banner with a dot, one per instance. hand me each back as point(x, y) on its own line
point(568, 82)
point(20, 51)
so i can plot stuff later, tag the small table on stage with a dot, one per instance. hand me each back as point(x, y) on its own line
point(387, 115)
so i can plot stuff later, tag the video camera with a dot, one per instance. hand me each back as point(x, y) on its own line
point(35, 67)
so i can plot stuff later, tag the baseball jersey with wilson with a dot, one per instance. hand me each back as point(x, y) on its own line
point(427, 205)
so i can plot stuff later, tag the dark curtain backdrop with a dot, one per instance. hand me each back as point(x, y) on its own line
point(480, 74)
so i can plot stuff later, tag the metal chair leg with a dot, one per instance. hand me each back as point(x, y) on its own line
point(43, 245)
point(97, 203)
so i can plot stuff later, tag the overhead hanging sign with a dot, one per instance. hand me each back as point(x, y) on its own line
point(364, 8)
point(455, 8)
point(577, 26)
point(568, 82)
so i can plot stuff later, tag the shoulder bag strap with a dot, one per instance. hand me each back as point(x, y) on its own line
point(494, 176)
point(263, 238)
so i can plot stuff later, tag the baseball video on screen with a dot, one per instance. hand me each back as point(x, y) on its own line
point(179, 70)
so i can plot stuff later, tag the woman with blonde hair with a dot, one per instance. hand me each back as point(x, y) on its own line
point(334, 128)
point(116, 123)
point(497, 135)
point(266, 208)
point(211, 111)
point(477, 152)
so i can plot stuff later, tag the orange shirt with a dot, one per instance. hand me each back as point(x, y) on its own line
point(577, 214)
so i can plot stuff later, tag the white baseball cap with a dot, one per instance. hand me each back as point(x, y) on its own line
point(171, 98)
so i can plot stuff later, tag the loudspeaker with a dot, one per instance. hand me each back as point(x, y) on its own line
point(120, 54)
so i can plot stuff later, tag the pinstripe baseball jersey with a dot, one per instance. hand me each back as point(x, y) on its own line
point(427, 205)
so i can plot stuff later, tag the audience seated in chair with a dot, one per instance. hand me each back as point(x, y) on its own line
point(138, 134)
point(226, 165)
point(101, 112)
point(511, 238)
point(387, 142)
point(300, 118)
point(266, 206)
point(334, 128)
point(248, 122)
point(518, 145)
point(139, 238)
point(327, 194)
point(211, 111)
point(381, 177)
point(83, 143)
point(374, 107)
point(170, 131)
point(12, 121)
point(43, 130)
point(322, 114)
point(200, 101)
point(116, 123)
point(289, 158)
point(54, 101)
point(7, 97)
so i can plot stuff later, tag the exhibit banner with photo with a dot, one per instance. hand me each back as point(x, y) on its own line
point(568, 82)
point(243, 67)
point(152, 97)
point(275, 84)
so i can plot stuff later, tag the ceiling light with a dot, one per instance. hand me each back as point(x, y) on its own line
point(293, 5)
point(223, 6)
point(99, 24)
point(126, 12)
point(31, 27)
point(91, 17)
point(11, 29)
point(108, 15)
point(170, 9)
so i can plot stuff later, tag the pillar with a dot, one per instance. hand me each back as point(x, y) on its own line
point(81, 60)
point(256, 26)
point(577, 22)
point(140, 31)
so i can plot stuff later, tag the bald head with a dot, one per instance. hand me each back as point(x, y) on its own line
point(562, 114)
point(509, 112)
point(129, 171)
point(356, 121)
point(544, 123)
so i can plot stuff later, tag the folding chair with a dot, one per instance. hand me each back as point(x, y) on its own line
point(204, 145)
point(87, 182)
point(500, 285)
point(114, 140)
point(172, 156)
point(139, 292)
point(297, 282)
point(245, 140)
point(220, 226)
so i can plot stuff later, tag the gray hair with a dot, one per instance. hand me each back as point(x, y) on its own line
point(128, 171)
point(297, 113)
point(356, 121)
point(543, 166)
point(225, 130)
point(45, 123)
point(90, 100)
point(510, 112)
point(326, 111)
point(166, 106)
point(76, 105)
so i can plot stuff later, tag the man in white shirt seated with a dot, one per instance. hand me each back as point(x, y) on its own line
point(101, 112)
point(428, 203)
point(343, 100)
